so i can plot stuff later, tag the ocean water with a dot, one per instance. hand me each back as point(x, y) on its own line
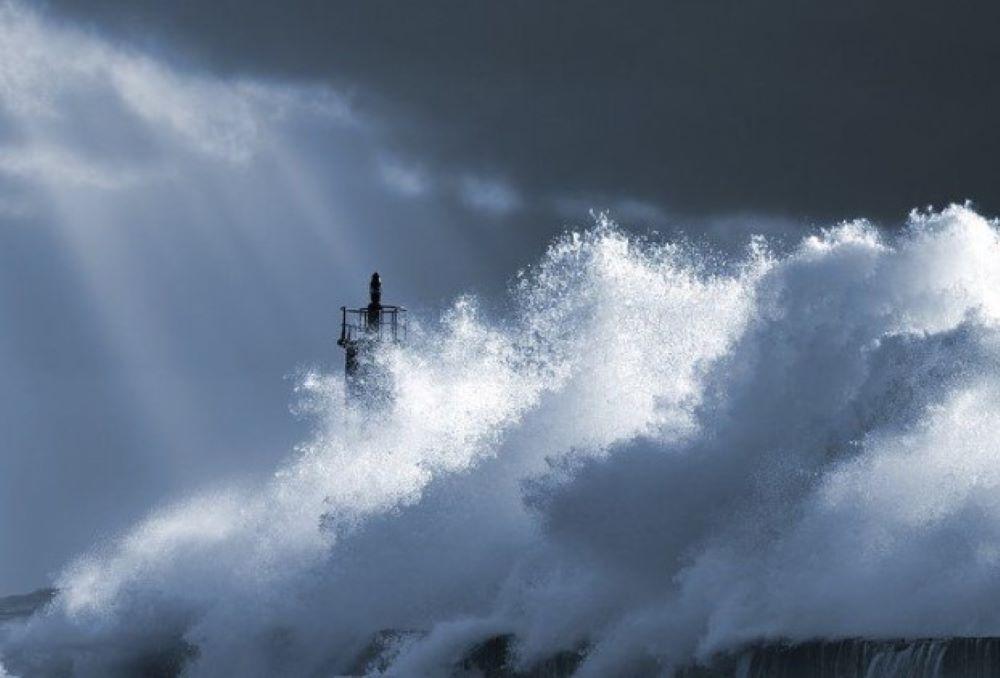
point(656, 454)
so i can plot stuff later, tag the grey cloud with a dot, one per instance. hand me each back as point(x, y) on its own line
point(488, 195)
point(808, 110)
point(405, 179)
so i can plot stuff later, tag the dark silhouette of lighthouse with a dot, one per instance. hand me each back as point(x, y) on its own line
point(362, 330)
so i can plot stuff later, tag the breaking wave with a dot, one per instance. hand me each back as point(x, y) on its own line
point(659, 454)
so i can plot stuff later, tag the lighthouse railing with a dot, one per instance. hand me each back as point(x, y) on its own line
point(356, 325)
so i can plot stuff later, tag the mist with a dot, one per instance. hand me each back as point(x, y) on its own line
point(657, 455)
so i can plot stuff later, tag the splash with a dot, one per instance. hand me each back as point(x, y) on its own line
point(657, 455)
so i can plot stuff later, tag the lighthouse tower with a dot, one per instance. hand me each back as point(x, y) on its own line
point(362, 330)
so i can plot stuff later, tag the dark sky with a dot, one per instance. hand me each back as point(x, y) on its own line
point(189, 190)
point(811, 110)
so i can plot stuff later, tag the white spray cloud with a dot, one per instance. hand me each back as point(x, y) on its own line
point(654, 457)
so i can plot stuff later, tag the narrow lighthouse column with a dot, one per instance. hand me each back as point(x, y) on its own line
point(373, 318)
point(362, 332)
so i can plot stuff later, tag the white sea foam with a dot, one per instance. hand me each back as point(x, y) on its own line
point(657, 454)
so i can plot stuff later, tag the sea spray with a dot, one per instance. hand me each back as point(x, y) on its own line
point(656, 456)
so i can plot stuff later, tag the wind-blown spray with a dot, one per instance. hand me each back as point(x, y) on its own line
point(658, 456)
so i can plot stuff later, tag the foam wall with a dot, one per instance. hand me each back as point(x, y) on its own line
point(656, 454)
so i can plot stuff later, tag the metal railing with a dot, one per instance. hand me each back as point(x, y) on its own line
point(356, 325)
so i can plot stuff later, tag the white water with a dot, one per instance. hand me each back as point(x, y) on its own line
point(656, 453)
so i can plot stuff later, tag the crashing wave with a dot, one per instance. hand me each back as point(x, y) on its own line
point(659, 455)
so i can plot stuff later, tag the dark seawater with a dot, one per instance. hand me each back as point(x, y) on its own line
point(24, 605)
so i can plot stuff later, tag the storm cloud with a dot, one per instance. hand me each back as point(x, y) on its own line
point(815, 111)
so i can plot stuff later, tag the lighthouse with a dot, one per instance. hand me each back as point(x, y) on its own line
point(362, 332)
